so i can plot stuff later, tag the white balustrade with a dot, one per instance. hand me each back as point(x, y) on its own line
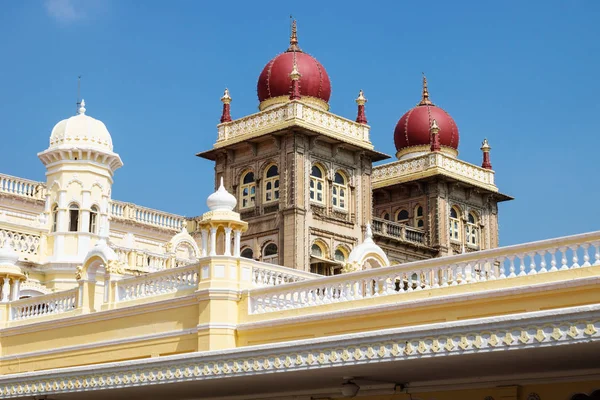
point(22, 243)
point(146, 216)
point(22, 187)
point(399, 231)
point(270, 275)
point(158, 283)
point(48, 304)
point(560, 254)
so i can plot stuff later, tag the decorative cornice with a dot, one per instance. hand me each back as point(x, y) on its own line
point(541, 329)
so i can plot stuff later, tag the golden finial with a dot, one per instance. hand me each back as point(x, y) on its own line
point(361, 99)
point(226, 99)
point(294, 37)
point(434, 129)
point(425, 98)
point(295, 74)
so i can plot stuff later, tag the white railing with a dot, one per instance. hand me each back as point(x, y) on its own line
point(529, 259)
point(22, 187)
point(399, 231)
point(272, 275)
point(146, 216)
point(48, 304)
point(383, 174)
point(158, 283)
point(22, 243)
point(272, 119)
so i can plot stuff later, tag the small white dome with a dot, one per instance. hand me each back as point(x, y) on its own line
point(221, 200)
point(81, 131)
point(8, 256)
point(368, 249)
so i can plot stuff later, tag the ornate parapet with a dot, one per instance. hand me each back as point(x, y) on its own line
point(432, 164)
point(294, 113)
point(22, 187)
point(146, 216)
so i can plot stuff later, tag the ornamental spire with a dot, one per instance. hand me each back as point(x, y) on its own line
point(361, 118)
point(434, 131)
point(485, 148)
point(425, 95)
point(295, 77)
point(294, 38)
point(226, 99)
point(82, 107)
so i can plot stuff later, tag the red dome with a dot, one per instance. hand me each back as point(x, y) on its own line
point(275, 78)
point(413, 127)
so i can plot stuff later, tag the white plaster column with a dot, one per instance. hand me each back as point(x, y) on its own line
point(204, 251)
point(16, 290)
point(236, 245)
point(6, 289)
point(213, 242)
point(61, 224)
point(104, 215)
point(227, 241)
point(84, 217)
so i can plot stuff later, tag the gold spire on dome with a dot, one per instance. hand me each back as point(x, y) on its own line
point(425, 97)
point(361, 99)
point(294, 38)
point(295, 74)
point(226, 99)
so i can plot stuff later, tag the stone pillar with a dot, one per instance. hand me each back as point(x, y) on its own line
point(204, 251)
point(213, 242)
point(6, 289)
point(227, 241)
point(16, 290)
point(236, 244)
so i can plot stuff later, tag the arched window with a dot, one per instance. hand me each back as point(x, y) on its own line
point(316, 250)
point(386, 216)
point(73, 218)
point(93, 219)
point(340, 255)
point(340, 191)
point(317, 184)
point(247, 253)
point(271, 184)
point(472, 230)
point(270, 253)
point(54, 218)
point(419, 218)
point(455, 224)
point(402, 217)
point(248, 190)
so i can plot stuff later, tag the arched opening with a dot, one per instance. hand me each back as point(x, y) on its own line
point(270, 253)
point(317, 184)
point(73, 218)
point(455, 224)
point(472, 230)
point(386, 216)
point(93, 219)
point(340, 191)
point(248, 190)
point(419, 219)
point(271, 185)
point(54, 217)
point(247, 253)
point(402, 216)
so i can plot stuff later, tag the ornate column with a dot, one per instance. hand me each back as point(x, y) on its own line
point(213, 242)
point(236, 244)
point(227, 241)
point(204, 251)
point(5, 289)
point(16, 290)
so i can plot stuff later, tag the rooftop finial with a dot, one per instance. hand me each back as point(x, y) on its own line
point(294, 37)
point(485, 148)
point(425, 96)
point(295, 77)
point(434, 131)
point(82, 107)
point(361, 118)
point(226, 114)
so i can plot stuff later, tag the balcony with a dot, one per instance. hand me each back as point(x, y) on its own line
point(398, 231)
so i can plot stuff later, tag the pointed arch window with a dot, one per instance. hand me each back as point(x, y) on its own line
point(316, 250)
point(419, 217)
point(271, 187)
point(386, 216)
point(317, 184)
point(247, 253)
point(54, 217)
point(472, 230)
point(340, 255)
point(455, 224)
point(73, 218)
point(248, 190)
point(340, 191)
point(270, 253)
point(402, 217)
point(93, 219)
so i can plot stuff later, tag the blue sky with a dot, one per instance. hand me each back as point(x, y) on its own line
point(522, 74)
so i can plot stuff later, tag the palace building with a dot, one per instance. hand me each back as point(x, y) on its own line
point(314, 274)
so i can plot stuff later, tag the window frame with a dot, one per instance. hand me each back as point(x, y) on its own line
point(339, 192)
point(419, 218)
point(250, 197)
point(274, 182)
point(74, 207)
point(93, 224)
point(455, 224)
point(271, 258)
point(473, 231)
point(245, 249)
point(402, 221)
point(54, 216)
point(314, 191)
